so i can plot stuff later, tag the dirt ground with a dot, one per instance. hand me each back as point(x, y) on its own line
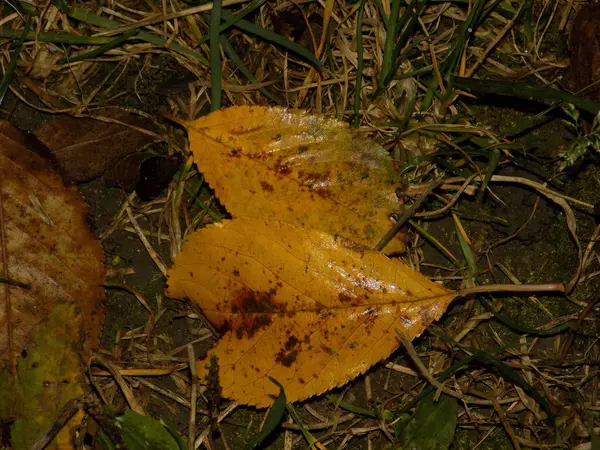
point(543, 251)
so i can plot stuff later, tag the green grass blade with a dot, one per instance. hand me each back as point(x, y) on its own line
point(524, 91)
point(273, 418)
point(277, 39)
point(467, 252)
point(491, 168)
point(360, 63)
point(215, 56)
point(522, 329)
point(114, 43)
point(57, 37)
point(241, 66)
point(390, 41)
point(312, 441)
point(411, 20)
point(6, 79)
point(102, 22)
point(250, 7)
point(449, 64)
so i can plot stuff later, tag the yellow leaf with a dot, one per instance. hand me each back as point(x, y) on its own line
point(298, 305)
point(298, 168)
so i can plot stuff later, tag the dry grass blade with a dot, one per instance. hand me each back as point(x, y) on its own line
point(399, 72)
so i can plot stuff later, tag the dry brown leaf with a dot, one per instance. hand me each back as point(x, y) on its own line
point(298, 168)
point(85, 148)
point(298, 305)
point(49, 245)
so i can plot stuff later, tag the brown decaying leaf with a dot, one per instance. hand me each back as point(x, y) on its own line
point(85, 148)
point(298, 305)
point(298, 168)
point(585, 52)
point(49, 245)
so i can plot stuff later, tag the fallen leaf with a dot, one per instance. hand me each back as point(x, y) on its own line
point(584, 69)
point(49, 374)
point(298, 305)
point(301, 169)
point(140, 432)
point(432, 427)
point(85, 148)
point(49, 246)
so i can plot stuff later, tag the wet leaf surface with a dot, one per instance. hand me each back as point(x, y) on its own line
point(298, 305)
point(301, 169)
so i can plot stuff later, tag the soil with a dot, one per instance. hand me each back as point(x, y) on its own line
point(543, 251)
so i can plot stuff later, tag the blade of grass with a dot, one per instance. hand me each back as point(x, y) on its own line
point(448, 65)
point(491, 168)
point(274, 38)
point(360, 62)
point(273, 418)
point(390, 41)
point(114, 43)
point(312, 441)
point(215, 56)
point(466, 248)
point(524, 91)
point(437, 244)
point(58, 37)
point(241, 66)
point(409, 30)
point(510, 323)
point(6, 79)
point(102, 22)
point(250, 7)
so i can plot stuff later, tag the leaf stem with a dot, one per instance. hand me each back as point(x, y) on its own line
point(547, 287)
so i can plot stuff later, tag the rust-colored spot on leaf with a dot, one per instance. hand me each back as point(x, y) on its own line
point(304, 170)
point(306, 309)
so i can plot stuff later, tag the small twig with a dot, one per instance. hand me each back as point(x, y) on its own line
point(155, 257)
point(548, 287)
point(410, 349)
point(65, 414)
point(194, 396)
point(131, 400)
point(407, 215)
point(8, 304)
point(15, 283)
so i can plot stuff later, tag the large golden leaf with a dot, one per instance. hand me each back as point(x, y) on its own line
point(298, 305)
point(49, 246)
point(298, 168)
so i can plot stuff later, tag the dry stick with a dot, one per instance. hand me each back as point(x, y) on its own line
point(582, 315)
point(159, 372)
point(493, 44)
point(200, 440)
point(155, 257)
point(505, 424)
point(435, 383)
point(131, 400)
point(9, 331)
point(451, 202)
point(15, 283)
point(65, 414)
point(407, 215)
point(164, 17)
point(194, 397)
point(547, 287)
